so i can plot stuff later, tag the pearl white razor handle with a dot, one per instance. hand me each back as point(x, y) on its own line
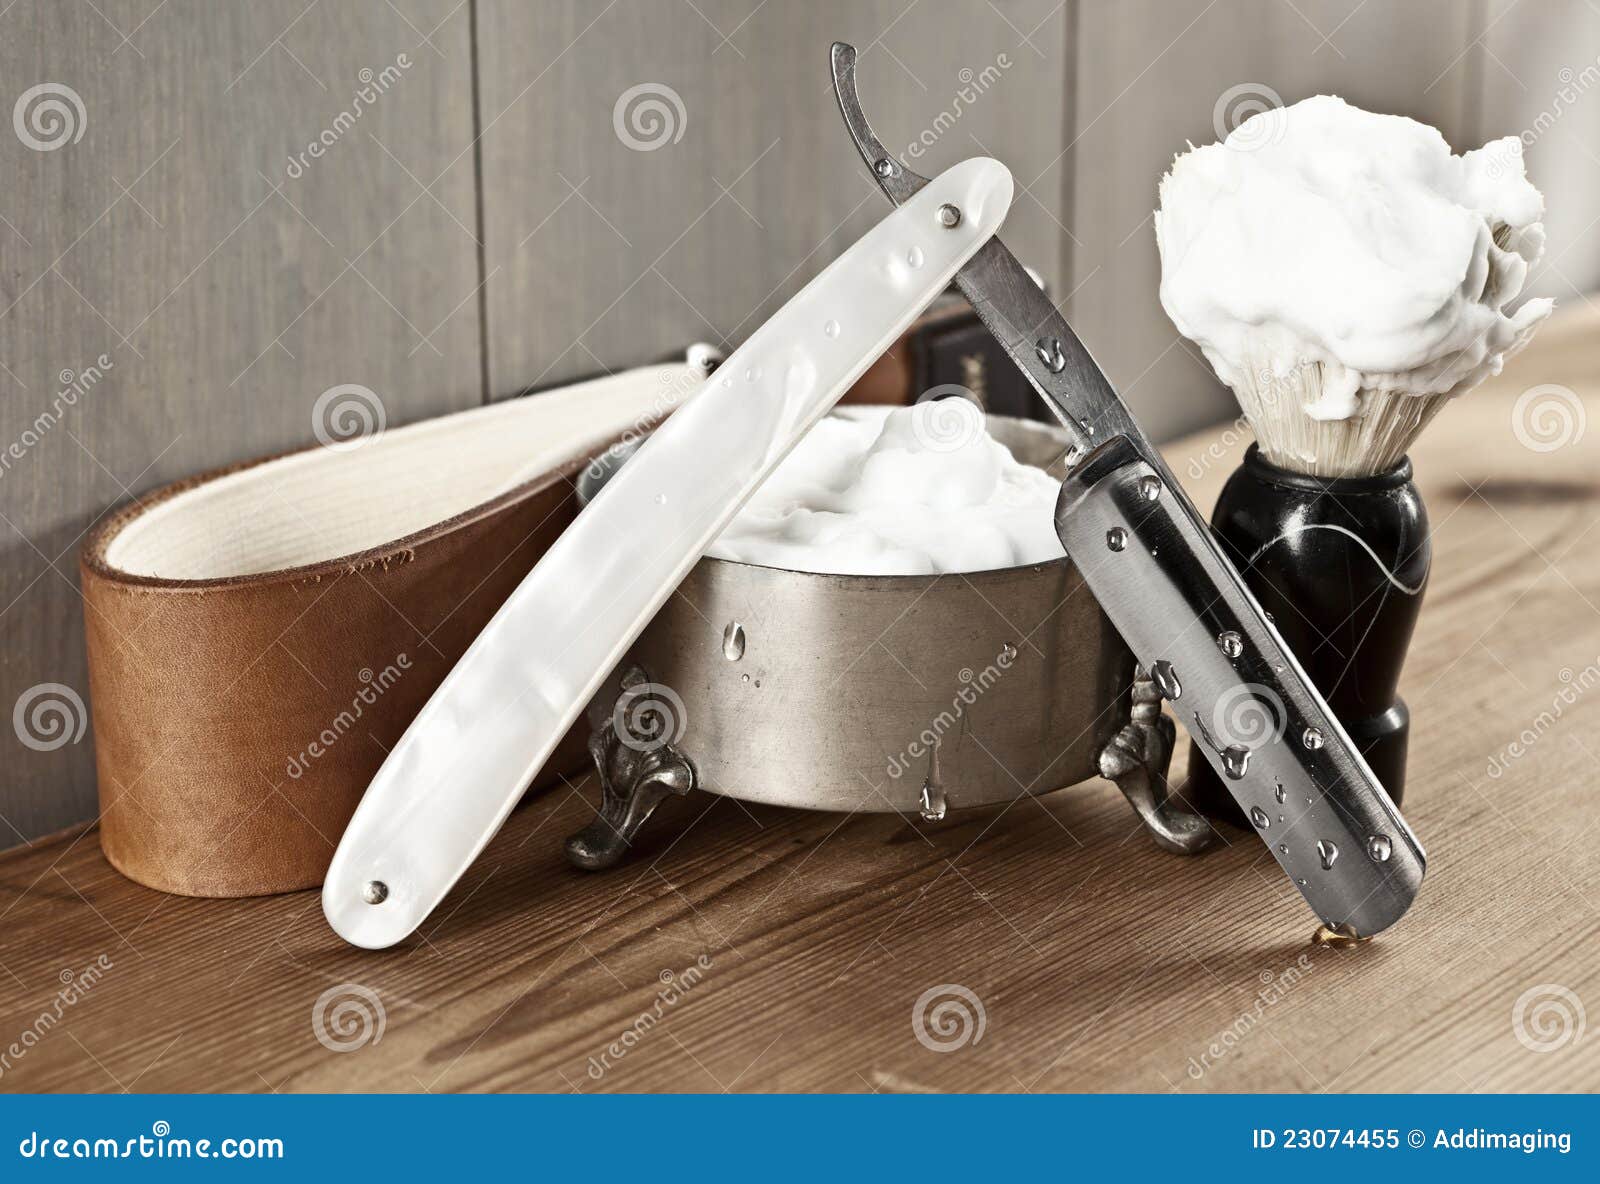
point(1179, 603)
point(459, 769)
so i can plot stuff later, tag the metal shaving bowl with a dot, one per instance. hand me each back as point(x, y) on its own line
point(905, 694)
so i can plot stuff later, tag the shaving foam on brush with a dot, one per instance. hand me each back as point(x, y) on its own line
point(1347, 276)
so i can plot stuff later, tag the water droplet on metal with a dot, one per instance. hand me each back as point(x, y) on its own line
point(884, 168)
point(1150, 488)
point(1008, 652)
point(661, 499)
point(375, 892)
point(733, 641)
point(933, 802)
point(831, 328)
point(1116, 538)
point(914, 257)
point(1301, 882)
point(1280, 793)
point(1313, 738)
point(1283, 848)
point(1166, 680)
point(1259, 817)
point(744, 678)
point(1230, 643)
point(1380, 847)
point(1235, 761)
point(1327, 852)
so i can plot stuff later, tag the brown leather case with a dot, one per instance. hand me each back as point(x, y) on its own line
point(238, 721)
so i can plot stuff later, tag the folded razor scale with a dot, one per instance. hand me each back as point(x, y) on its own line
point(1180, 604)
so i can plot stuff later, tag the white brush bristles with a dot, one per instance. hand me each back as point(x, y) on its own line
point(1373, 440)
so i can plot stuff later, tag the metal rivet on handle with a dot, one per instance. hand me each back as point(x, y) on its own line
point(1051, 354)
point(949, 216)
point(375, 892)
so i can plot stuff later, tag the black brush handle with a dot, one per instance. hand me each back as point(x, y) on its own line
point(1340, 565)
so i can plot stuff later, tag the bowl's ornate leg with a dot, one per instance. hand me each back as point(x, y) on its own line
point(1137, 759)
point(638, 767)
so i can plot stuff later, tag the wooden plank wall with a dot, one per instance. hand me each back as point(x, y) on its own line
point(484, 228)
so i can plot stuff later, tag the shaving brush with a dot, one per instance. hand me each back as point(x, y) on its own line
point(1347, 276)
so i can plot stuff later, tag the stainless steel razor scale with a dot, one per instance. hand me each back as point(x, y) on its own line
point(1180, 604)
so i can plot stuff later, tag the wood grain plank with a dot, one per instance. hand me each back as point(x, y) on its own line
point(224, 287)
point(1101, 962)
point(602, 254)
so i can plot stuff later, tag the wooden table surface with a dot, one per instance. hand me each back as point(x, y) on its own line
point(799, 944)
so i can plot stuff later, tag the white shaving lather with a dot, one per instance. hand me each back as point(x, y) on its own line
point(460, 768)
